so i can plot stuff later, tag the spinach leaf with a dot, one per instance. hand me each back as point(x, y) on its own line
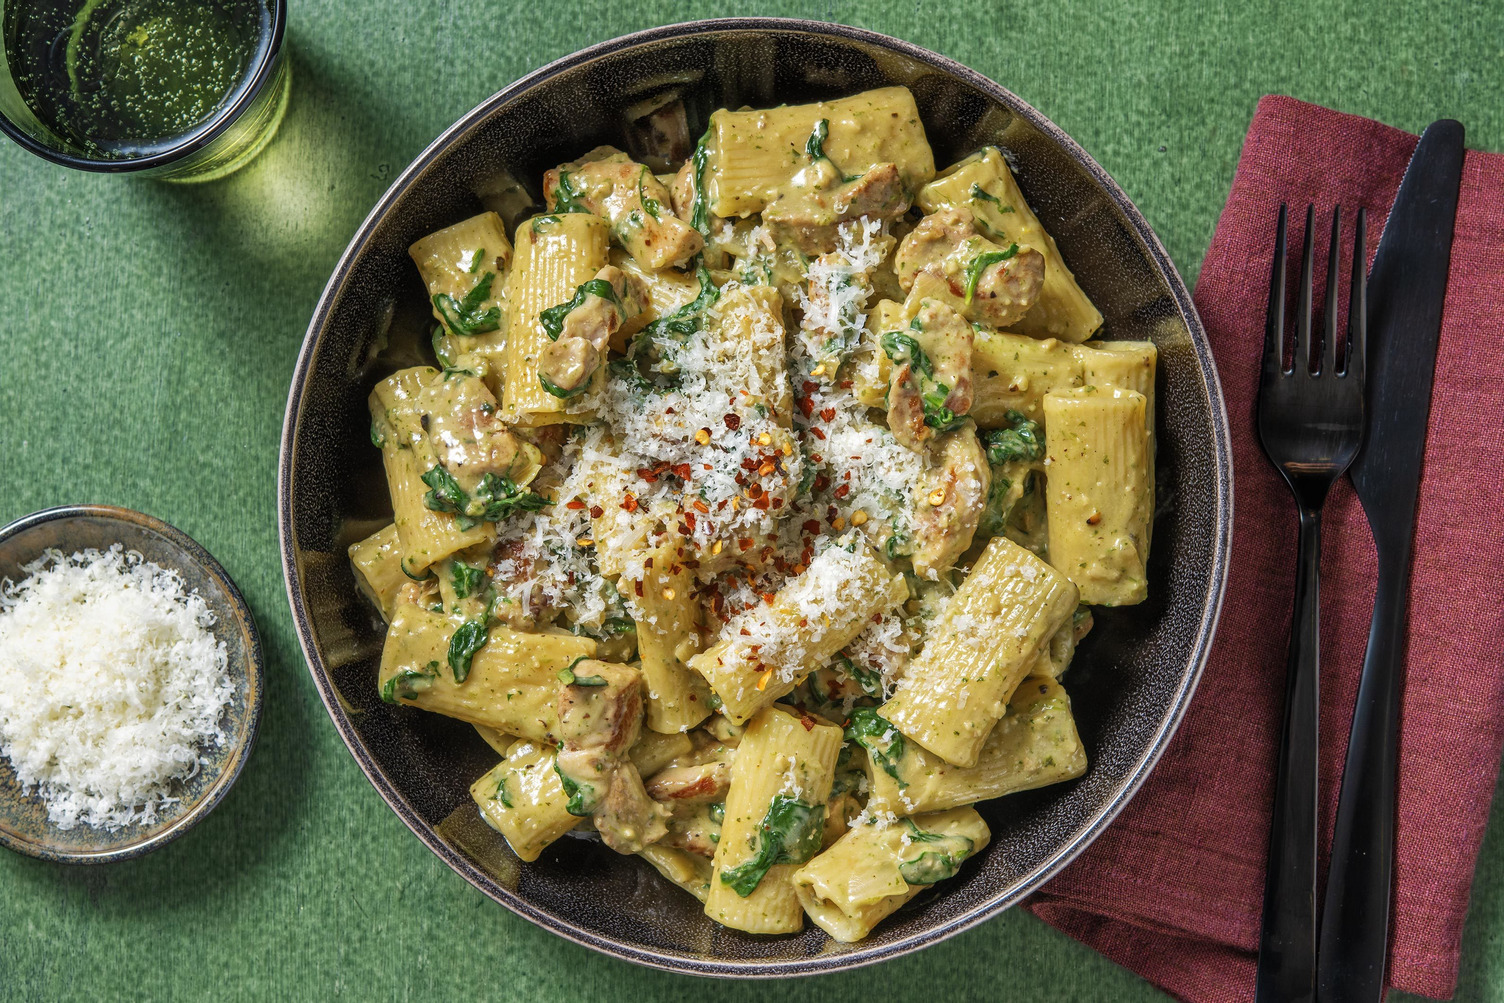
point(814, 147)
point(446, 361)
point(567, 196)
point(871, 682)
point(689, 319)
point(699, 215)
point(377, 439)
point(475, 260)
point(467, 640)
point(408, 683)
point(649, 203)
point(465, 317)
point(976, 266)
point(884, 743)
point(902, 348)
point(499, 497)
point(445, 495)
point(466, 579)
point(897, 544)
point(501, 792)
point(936, 414)
point(932, 865)
point(552, 319)
point(568, 677)
point(980, 194)
point(551, 387)
point(1019, 440)
point(583, 795)
point(790, 833)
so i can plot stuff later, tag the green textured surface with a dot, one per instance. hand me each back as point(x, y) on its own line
point(150, 334)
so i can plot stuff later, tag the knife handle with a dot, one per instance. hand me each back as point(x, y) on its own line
point(1354, 938)
point(1287, 942)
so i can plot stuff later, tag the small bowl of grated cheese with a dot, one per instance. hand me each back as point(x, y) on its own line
point(130, 683)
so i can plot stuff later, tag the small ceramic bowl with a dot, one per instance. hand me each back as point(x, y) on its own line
point(1134, 674)
point(23, 818)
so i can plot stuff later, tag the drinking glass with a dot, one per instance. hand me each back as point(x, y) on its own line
point(182, 90)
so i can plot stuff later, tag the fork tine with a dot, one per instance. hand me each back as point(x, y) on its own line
point(1329, 318)
point(1274, 322)
point(1303, 311)
point(1357, 308)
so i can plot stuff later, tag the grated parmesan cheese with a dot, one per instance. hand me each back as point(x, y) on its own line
point(111, 685)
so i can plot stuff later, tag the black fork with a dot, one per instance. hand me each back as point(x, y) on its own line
point(1310, 419)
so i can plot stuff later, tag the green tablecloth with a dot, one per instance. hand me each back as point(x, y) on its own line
point(150, 333)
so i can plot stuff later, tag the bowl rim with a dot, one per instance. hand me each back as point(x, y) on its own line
point(254, 669)
point(856, 956)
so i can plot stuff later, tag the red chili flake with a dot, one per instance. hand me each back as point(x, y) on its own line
point(845, 384)
point(746, 632)
point(576, 505)
point(810, 526)
point(745, 543)
point(684, 530)
point(755, 491)
point(707, 466)
point(631, 503)
point(803, 621)
point(701, 507)
point(669, 410)
point(806, 406)
point(762, 503)
point(767, 597)
point(877, 618)
point(829, 414)
point(816, 458)
point(675, 569)
point(681, 471)
point(843, 490)
point(821, 482)
point(807, 721)
point(689, 520)
point(648, 563)
point(596, 511)
point(846, 476)
point(691, 563)
point(749, 464)
point(818, 434)
point(733, 421)
point(778, 503)
point(647, 475)
point(830, 512)
point(637, 587)
point(808, 387)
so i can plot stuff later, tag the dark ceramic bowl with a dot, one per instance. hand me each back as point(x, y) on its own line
point(23, 819)
point(1133, 676)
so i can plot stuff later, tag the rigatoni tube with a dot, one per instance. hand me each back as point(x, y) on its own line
point(775, 814)
point(979, 649)
point(1099, 492)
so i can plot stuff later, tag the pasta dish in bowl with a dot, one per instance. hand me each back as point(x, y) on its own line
point(751, 478)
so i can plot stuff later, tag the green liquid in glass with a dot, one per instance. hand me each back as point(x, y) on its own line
point(130, 78)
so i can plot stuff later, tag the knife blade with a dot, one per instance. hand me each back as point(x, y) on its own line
point(1406, 288)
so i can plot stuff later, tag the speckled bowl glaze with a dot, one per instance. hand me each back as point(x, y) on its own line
point(1133, 676)
point(23, 819)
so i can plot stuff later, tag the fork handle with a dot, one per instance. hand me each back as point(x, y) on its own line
point(1355, 920)
point(1287, 942)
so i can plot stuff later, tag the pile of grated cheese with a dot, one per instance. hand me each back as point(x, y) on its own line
point(112, 685)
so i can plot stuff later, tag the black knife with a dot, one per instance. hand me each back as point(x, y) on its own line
point(1406, 288)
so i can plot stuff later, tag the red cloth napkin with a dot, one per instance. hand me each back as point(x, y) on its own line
point(1173, 888)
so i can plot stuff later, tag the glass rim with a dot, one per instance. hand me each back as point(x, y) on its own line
point(223, 119)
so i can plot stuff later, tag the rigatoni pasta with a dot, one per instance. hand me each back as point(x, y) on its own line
point(749, 511)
